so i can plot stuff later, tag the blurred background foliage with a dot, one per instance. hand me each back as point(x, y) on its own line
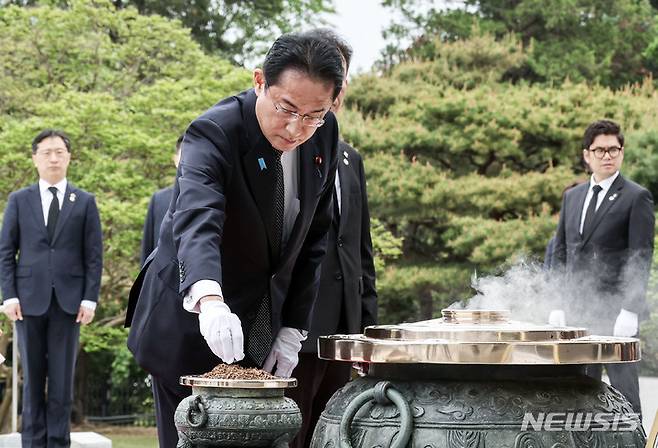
point(469, 132)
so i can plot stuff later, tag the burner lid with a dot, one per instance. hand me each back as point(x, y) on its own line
point(478, 337)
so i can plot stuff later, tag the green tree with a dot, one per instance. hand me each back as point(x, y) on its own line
point(603, 41)
point(237, 31)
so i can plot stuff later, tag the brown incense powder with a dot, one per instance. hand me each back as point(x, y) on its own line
point(236, 372)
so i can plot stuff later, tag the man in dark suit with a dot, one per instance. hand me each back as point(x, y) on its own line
point(347, 301)
point(158, 207)
point(604, 241)
point(238, 259)
point(50, 267)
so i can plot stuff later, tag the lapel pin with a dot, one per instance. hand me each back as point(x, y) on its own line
point(261, 164)
point(318, 163)
point(346, 162)
point(72, 197)
point(613, 197)
point(345, 154)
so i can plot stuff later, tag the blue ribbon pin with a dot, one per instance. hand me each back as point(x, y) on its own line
point(261, 163)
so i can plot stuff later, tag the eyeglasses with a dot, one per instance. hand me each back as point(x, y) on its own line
point(290, 116)
point(600, 152)
point(46, 153)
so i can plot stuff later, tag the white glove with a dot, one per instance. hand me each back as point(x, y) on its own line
point(222, 331)
point(284, 352)
point(557, 318)
point(626, 324)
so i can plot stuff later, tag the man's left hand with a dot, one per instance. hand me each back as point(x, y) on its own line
point(626, 325)
point(284, 353)
point(85, 315)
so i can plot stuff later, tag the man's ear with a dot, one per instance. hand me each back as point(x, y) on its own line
point(338, 102)
point(259, 81)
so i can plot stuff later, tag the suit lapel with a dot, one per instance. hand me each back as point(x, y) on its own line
point(65, 212)
point(611, 198)
point(34, 199)
point(310, 183)
point(579, 201)
point(258, 165)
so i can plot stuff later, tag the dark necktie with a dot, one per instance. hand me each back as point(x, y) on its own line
point(260, 334)
point(591, 209)
point(279, 204)
point(53, 213)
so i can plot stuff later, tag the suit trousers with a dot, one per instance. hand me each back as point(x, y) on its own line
point(167, 396)
point(624, 378)
point(317, 381)
point(48, 345)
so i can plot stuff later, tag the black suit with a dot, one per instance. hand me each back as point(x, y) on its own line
point(347, 302)
point(50, 279)
point(219, 227)
point(609, 264)
point(157, 210)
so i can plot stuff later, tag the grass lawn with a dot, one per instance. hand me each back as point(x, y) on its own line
point(133, 441)
point(124, 436)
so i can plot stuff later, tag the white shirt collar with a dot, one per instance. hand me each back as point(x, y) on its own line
point(61, 186)
point(605, 184)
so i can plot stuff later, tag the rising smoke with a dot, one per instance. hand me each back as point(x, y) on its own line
point(530, 292)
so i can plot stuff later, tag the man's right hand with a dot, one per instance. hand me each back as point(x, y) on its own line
point(13, 311)
point(557, 318)
point(222, 330)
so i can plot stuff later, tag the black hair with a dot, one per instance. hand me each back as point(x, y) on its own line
point(602, 127)
point(340, 43)
point(47, 133)
point(314, 56)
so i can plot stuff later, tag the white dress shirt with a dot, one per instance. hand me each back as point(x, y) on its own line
point(46, 200)
point(605, 186)
point(47, 196)
point(337, 187)
point(291, 206)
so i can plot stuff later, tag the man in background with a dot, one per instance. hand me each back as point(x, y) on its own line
point(347, 301)
point(604, 242)
point(157, 209)
point(50, 268)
